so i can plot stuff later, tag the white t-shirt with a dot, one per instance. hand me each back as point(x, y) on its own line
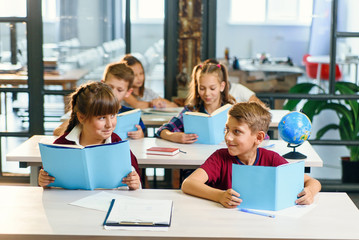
point(240, 92)
point(148, 96)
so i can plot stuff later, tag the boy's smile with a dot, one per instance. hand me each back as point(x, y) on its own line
point(240, 140)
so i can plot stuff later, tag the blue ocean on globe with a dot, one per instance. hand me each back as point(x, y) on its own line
point(295, 128)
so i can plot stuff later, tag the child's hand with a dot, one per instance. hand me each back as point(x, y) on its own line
point(305, 197)
point(44, 179)
point(132, 180)
point(230, 199)
point(158, 103)
point(136, 134)
point(182, 137)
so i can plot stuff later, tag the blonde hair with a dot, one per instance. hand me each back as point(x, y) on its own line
point(92, 99)
point(253, 114)
point(193, 100)
point(120, 71)
point(131, 60)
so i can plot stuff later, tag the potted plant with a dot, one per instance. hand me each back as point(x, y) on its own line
point(348, 115)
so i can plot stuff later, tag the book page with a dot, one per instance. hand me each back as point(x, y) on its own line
point(128, 112)
point(221, 109)
point(100, 201)
point(197, 114)
point(141, 211)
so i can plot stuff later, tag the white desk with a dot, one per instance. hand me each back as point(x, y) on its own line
point(28, 152)
point(33, 213)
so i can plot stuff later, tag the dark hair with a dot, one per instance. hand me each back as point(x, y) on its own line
point(92, 99)
point(253, 114)
point(120, 71)
point(193, 99)
point(131, 60)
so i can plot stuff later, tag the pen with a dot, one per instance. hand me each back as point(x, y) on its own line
point(256, 212)
point(182, 151)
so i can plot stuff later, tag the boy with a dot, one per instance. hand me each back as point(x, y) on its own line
point(120, 78)
point(246, 127)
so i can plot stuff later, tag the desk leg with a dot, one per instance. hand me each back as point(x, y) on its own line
point(34, 172)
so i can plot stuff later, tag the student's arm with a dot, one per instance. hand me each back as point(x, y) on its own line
point(195, 185)
point(44, 179)
point(179, 137)
point(62, 128)
point(162, 103)
point(132, 180)
point(136, 134)
point(311, 187)
point(133, 102)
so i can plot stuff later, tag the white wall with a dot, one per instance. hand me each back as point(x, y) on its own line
point(245, 41)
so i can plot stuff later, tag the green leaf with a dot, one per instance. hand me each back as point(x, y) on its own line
point(341, 110)
point(325, 129)
point(300, 88)
point(311, 106)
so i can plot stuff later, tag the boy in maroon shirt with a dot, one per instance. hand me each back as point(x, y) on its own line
point(246, 127)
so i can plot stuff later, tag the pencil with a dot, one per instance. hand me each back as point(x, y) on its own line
point(256, 212)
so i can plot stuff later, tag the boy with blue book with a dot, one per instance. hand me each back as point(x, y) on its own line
point(246, 128)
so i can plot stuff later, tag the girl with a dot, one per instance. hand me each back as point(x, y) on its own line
point(208, 91)
point(120, 78)
point(142, 97)
point(93, 119)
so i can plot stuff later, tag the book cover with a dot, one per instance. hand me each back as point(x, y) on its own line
point(209, 128)
point(139, 213)
point(162, 151)
point(97, 166)
point(268, 188)
point(126, 122)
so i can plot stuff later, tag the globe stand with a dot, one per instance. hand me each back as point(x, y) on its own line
point(294, 154)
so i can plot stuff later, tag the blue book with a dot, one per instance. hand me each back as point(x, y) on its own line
point(208, 127)
point(126, 122)
point(268, 188)
point(97, 166)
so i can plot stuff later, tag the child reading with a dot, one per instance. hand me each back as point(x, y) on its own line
point(208, 91)
point(142, 97)
point(93, 119)
point(246, 127)
point(237, 90)
point(120, 78)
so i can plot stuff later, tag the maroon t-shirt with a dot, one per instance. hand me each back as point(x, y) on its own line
point(219, 166)
point(114, 138)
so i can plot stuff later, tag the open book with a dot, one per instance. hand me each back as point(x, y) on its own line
point(268, 188)
point(139, 212)
point(97, 166)
point(208, 127)
point(126, 122)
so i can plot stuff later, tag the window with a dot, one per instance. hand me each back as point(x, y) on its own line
point(147, 11)
point(17, 8)
point(271, 12)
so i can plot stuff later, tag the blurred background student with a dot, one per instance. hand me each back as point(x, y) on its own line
point(141, 96)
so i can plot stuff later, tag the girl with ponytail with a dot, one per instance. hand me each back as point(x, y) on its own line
point(208, 91)
point(93, 119)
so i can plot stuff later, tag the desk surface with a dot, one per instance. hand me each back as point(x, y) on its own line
point(46, 214)
point(195, 155)
point(69, 77)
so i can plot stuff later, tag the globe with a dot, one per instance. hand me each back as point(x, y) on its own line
point(294, 128)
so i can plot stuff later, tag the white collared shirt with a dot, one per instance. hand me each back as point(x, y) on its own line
point(75, 133)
